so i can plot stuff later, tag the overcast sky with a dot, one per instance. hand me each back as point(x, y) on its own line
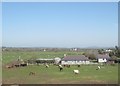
point(60, 24)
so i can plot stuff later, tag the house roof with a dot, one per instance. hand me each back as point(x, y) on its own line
point(75, 58)
point(104, 56)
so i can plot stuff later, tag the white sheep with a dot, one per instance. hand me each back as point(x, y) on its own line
point(98, 68)
point(60, 66)
point(76, 71)
point(47, 66)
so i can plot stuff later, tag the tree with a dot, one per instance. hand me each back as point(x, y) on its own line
point(90, 56)
point(114, 57)
point(101, 51)
point(111, 54)
point(117, 51)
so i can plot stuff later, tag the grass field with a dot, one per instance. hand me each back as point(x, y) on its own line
point(9, 56)
point(88, 74)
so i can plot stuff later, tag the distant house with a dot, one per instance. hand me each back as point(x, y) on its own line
point(108, 50)
point(75, 60)
point(103, 58)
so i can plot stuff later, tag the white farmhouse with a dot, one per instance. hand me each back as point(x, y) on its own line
point(103, 58)
point(75, 60)
point(108, 51)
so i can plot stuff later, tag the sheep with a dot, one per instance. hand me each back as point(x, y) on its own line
point(68, 66)
point(31, 73)
point(60, 67)
point(47, 66)
point(23, 65)
point(9, 66)
point(76, 71)
point(98, 68)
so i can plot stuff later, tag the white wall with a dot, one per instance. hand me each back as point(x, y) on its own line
point(102, 60)
point(74, 62)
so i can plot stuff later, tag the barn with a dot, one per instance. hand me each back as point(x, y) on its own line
point(75, 60)
point(103, 58)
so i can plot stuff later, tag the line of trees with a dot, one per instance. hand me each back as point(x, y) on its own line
point(115, 53)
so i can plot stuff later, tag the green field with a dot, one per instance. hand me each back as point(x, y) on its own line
point(9, 56)
point(88, 74)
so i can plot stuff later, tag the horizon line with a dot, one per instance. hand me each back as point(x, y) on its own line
point(55, 47)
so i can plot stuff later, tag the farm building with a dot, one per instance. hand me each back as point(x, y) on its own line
point(103, 57)
point(44, 60)
point(108, 50)
point(75, 60)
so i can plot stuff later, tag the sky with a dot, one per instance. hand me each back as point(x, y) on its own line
point(60, 24)
point(60, 0)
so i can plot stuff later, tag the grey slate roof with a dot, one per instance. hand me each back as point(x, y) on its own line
point(75, 58)
point(104, 56)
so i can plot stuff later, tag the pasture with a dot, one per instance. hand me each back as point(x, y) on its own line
point(88, 74)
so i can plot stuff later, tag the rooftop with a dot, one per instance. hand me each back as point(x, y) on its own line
point(103, 56)
point(75, 58)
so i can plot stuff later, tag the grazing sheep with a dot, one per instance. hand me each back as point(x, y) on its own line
point(98, 68)
point(76, 71)
point(60, 67)
point(32, 73)
point(46, 65)
point(23, 65)
point(68, 66)
point(17, 65)
point(9, 66)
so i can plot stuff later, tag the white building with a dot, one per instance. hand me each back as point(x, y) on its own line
point(108, 50)
point(75, 60)
point(103, 58)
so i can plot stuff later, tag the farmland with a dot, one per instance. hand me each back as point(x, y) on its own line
point(88, 74)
